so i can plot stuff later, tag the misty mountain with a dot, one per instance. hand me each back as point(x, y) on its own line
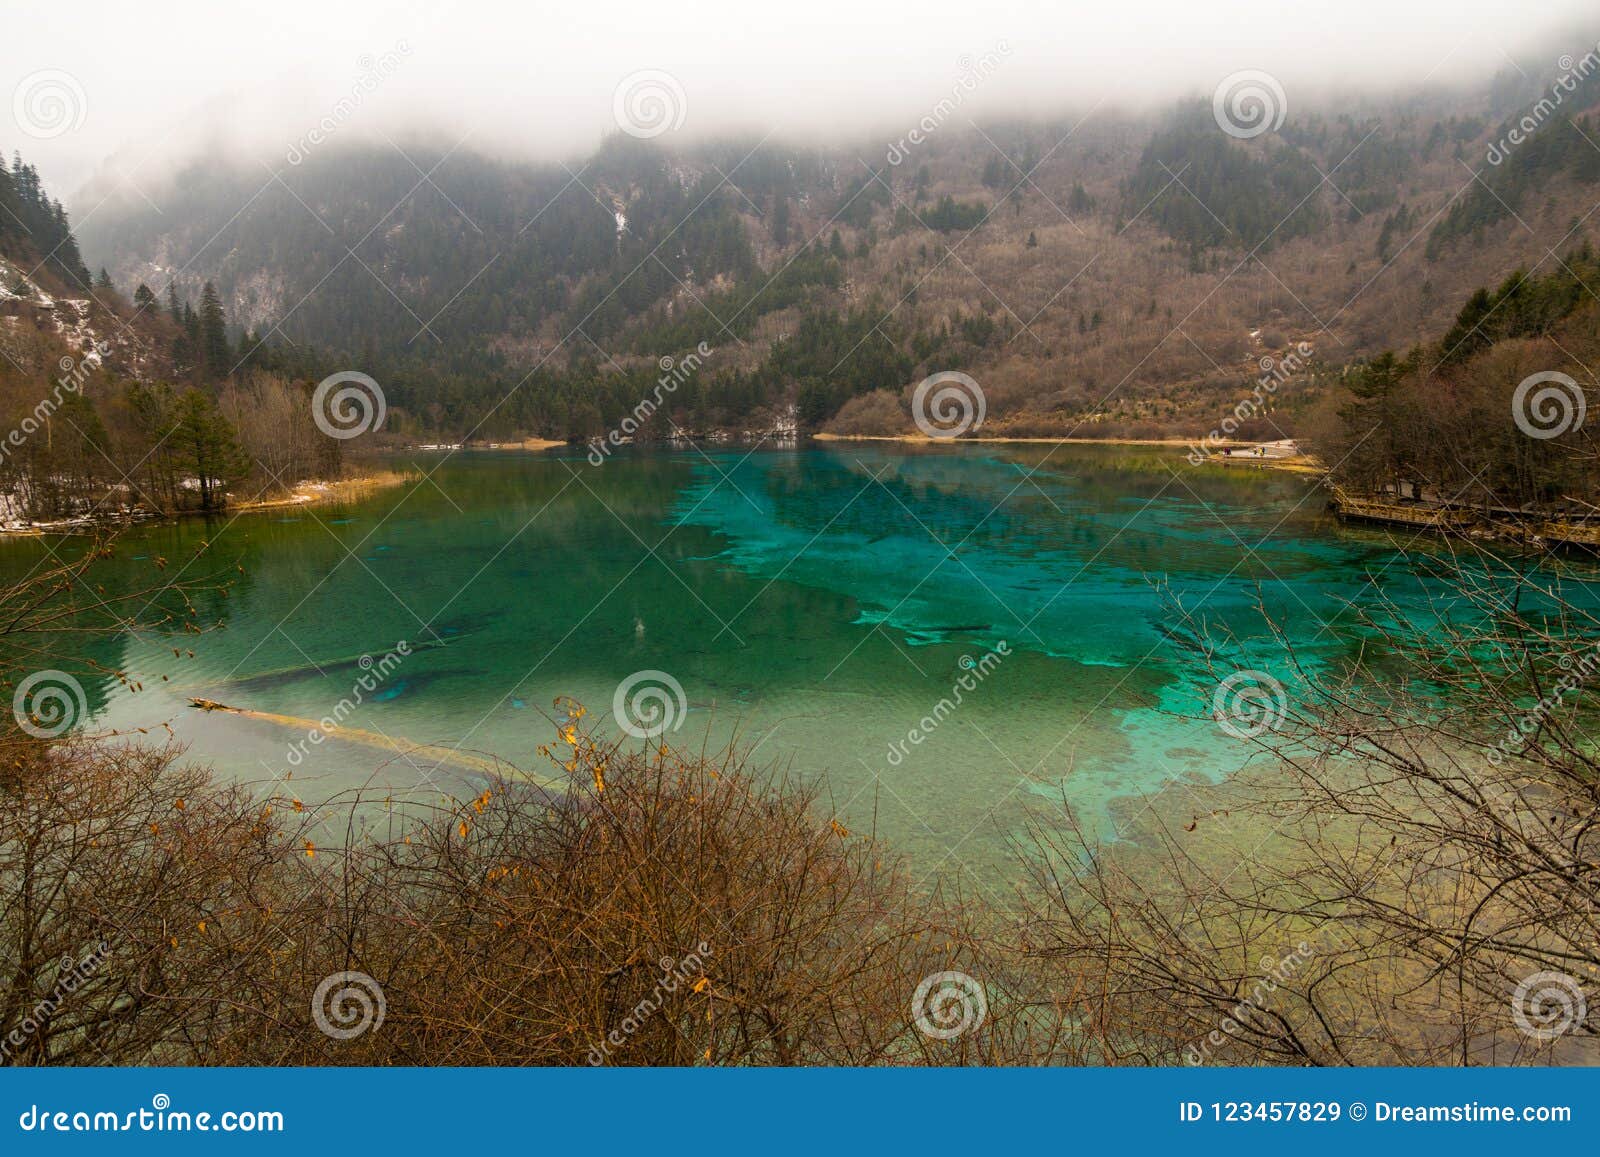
point(1155, 257)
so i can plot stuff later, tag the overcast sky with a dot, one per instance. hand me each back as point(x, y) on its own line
point(138, 81)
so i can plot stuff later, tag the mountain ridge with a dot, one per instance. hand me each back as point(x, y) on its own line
point(1122, 276)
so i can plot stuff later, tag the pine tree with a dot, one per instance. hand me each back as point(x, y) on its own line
point(213, 333)
point(186, 346)
point(64, 252)
point(154, 411)
point(210, 448)
point(104, 294)
point(1373, 422)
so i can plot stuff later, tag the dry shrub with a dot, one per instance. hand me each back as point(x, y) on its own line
point(666, 909)
point(878, 413)
point(142, 908)
point(659, 907)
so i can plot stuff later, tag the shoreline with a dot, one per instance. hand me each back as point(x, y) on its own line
point(311, 492)
point(1293, 463)
point(923, 439)
point(1450, 522)
point(318, 492)
point(530, 444)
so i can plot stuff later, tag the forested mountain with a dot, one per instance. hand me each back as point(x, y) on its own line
point(114, 403)
point(31, 218)
point(1102, 275)
point(1261, 197)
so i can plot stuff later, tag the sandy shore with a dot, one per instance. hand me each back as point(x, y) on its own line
point(923, 439)
point(1299, 464)
point(1294, 464)
point(453, 447)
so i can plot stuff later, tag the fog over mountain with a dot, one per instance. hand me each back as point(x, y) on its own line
point(540, 80)
point(1113, 218)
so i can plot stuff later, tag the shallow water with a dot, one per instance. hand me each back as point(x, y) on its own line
point(819, 603)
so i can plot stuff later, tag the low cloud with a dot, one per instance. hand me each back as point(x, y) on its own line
point(541, 81)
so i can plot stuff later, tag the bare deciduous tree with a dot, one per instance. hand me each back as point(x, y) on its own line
point(1423, 883)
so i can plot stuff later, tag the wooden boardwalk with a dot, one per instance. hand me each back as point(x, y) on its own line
point(1467, 521)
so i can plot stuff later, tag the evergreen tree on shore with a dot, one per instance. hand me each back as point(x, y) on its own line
point(213, 335)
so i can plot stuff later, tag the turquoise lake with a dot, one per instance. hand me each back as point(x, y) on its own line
point(814, 603)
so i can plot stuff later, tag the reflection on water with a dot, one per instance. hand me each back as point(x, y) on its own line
point(816, 603)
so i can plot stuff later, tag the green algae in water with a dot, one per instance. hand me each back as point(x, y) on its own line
point(816, 604)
